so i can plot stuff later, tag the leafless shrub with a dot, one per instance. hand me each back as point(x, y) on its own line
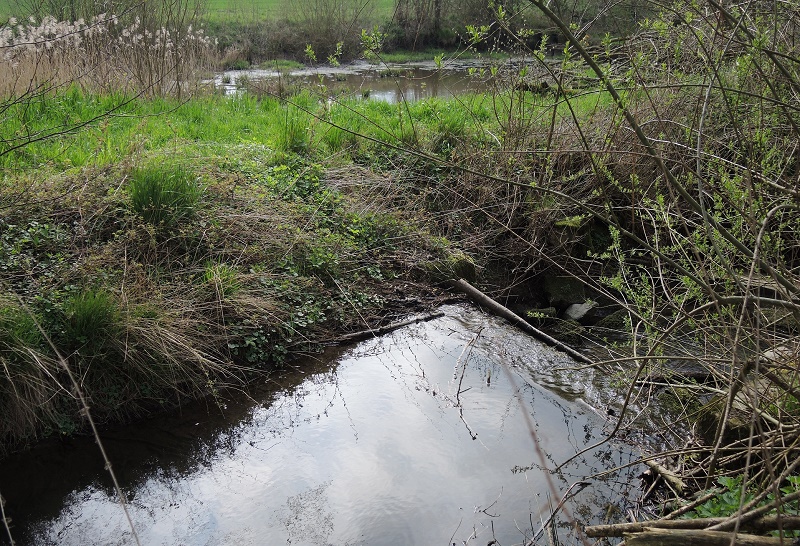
point(689, 162)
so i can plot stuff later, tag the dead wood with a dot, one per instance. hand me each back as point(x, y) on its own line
point(374, 332)
point(760, 525)
point(696, 537)
point(670, 477)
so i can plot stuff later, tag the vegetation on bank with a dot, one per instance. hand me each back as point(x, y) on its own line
point(176, 248)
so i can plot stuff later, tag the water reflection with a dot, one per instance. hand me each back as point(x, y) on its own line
point(413, 438)
point(389, 83)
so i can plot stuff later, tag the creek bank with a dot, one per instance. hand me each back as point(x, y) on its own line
point(153, 304)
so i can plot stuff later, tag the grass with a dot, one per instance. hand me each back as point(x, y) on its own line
point(164, 195)
point(7, 9)
point(152, 125)
point(281, 65)
point(233, 10)
point(254, 10)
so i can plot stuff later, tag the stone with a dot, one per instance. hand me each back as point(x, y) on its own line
point(577, 311)
point(618, 321)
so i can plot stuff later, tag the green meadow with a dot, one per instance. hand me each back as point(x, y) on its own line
point(238, 10)
point(7, 9)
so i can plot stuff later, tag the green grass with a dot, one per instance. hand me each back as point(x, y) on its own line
point(153, 125)
point(164, 195)
point(281, 65)
point(253, 10)
point(7, 9)
point(150, 125)
point(235, 10)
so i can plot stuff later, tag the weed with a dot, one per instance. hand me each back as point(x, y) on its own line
point(732, 497)
point(294, 136)
point(18, 334)
point(238, 64)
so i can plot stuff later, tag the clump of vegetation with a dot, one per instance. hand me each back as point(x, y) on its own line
point(735, 494)
point(164, 195)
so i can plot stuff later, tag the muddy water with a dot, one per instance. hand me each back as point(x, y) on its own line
point(419, 437)
point(391, 83)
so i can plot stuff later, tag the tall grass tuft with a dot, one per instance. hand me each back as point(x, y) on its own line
point(294, 136)
point(25, 372)
point(164, 195)
point(91, 319)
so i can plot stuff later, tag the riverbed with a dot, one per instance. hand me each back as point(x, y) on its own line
point(444, 432)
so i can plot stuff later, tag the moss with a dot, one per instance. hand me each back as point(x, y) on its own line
point(454, 265)
point(562, 292)
point(679, 401)
point(708, 418)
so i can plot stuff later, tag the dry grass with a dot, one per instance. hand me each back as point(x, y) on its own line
point(108, 54)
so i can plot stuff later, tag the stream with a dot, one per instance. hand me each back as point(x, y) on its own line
point(392, 83)
point(440, 433)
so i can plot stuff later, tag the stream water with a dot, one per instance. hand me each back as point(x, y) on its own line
point(439, 433)
point(391, 83)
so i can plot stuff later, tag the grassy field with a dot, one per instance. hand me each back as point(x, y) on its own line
point(7, 8)
point(271, 9)
point(240, 9)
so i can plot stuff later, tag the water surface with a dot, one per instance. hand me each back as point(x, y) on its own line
point(393, 83)
point(418, 437)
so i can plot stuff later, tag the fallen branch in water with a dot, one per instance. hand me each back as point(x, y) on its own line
point(670, 477)
point(374, 332)
point(500, 310)
point(760, 525)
